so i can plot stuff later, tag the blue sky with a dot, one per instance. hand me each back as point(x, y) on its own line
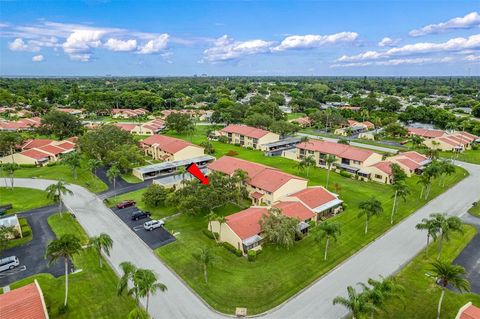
point(162, 38)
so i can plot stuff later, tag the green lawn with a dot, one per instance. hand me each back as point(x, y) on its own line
point(129, 178)
point(85, 177)
point(279, 274)
point(157, 212)
point(292, 116)
point(475, 210)
point(23, 199)
point(421, 293)
point(93, 291)
point(469, 156)
point(27, 235)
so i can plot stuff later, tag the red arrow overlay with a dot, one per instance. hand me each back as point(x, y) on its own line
point(195, 171)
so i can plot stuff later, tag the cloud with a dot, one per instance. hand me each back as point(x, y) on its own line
point(452, 45)
point(121, 45)
point(37, 58)
point(388, 42)
point(80, 43)
point(225, 48)
point(155, 45)
point(468, 21)
point(19, 45)
point(472, 58)
point(395, 62)
point(310, 41)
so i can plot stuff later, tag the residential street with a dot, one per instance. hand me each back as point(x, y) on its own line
point(383, 257)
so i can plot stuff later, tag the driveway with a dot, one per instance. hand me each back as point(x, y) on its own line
point(154, 239)
point(383, 257)
point(32, 255)
point(469, 258)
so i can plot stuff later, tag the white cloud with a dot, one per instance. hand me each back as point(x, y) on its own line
point(80, 43)
point(388, 42)
point(314, 40)
point(121, 45)
point(452, 45)
point(472, 58)
point(19, 45)
point(468, 21)
point(155, 45)
point(225, 48)
point(37, 58)
point(395, 62)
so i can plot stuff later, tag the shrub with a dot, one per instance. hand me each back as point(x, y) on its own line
point(232, 249)
point(345, 206)
point(474, 147)
point(239, 253)
point(51, 164)
point(155, 195)
point(209, 234)
point(232, 153)
point(345, 174)
point(312, 224)
point(252, 255)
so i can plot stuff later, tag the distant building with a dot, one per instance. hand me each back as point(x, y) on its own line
point(26, 124)
point(128, 113)
point(248, 136)
point(455, 141)
point(40, 152)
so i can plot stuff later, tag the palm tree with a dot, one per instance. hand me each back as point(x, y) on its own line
point(329, 160)
point(380, 291)
point(138, 313)
point(94, 164)
point(112, 174)
point(147, 282)
point(416, 140)
point(446, 169)
point(56, 191)
point(356, 302)
point(221, 220)
point(212, 217)
point(181, 171)
point(446, 226)
point(432, 231)
point(205, 257)
point(426, 181)
point(129, 271)
point(401, 190)
point(308, 161)
point(449, 274)
point(369, 208)
point(10, 169)
point(432, 152)
point(73, 161)
point(102, 242)
point(327, 231)
point(65, 247)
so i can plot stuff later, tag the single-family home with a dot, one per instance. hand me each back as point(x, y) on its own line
point(354, 127)
point(40, 152)
point(455, 142)
point(248, 136)
point(264, 184)
point(242, 230)
point(26, 302)
point(410, 162)
point(149, 128)
point(20, 125)
point(128, 113)
point(425, 133)
point(166, 148)
point(302, 121)
point(351, 159)
point(468, 311)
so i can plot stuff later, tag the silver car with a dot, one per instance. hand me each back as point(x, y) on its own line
point(152, 224)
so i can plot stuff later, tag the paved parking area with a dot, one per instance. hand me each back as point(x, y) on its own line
point(32, 255)
point(154, 238)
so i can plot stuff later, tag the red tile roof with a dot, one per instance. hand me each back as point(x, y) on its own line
point(261, 176)
point(35, 143)
point(66, 145)
point(340, 150)
point(414, 156)
point(314, 197)
point(126, 126)
point(51, 149)
point(35, 154)
point(424, 132)
point(471, 312)
point(384, 166)
point(23, 303)
point(256, 195)
point(295, 210)
point(249, 131)
point(167, 144)
point(412, 165)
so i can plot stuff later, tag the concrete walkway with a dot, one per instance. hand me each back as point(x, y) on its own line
point(368, 146)
point(383, 257)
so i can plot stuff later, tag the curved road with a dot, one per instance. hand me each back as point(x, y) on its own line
point(383, 257)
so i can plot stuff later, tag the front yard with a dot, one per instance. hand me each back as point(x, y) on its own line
point(278, 274)
point(23, 199)
point(93, 291)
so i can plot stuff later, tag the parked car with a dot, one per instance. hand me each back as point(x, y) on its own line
point(9, 263)
point(152, 224)
point(126, 203)
point(140, 215)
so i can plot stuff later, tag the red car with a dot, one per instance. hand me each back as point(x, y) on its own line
point(126, 203)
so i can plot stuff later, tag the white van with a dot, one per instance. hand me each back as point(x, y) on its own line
point(9, 263)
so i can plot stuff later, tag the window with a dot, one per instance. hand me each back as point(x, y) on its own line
point(378, 176)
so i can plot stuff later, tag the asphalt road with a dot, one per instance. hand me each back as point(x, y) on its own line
point(383, 257)
point(32, 255)
point(469, 258)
